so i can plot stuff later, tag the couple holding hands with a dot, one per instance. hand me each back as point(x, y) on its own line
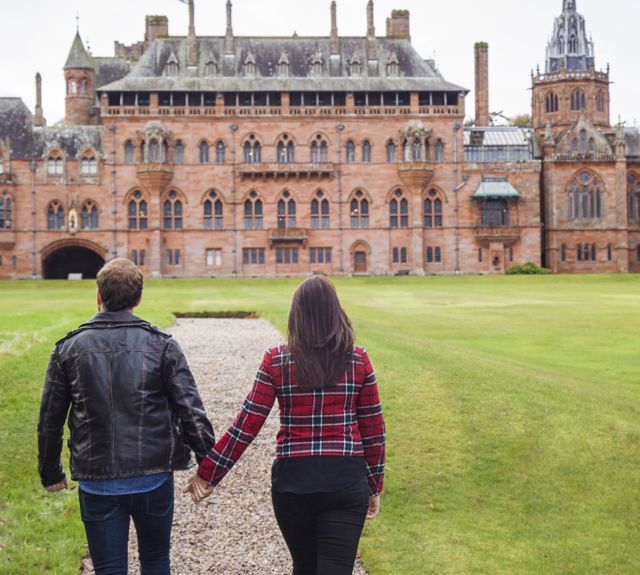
point(134, 415)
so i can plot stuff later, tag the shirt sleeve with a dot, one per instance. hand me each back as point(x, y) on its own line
point(246, 426)
point(372, 428)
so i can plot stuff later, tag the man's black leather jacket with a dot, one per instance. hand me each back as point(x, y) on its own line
point(133, 405)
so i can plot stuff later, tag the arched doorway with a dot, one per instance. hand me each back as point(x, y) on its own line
point(360, 254)
point(63, 259)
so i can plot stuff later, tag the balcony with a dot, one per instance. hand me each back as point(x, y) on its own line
point(279, 236)
point(7, 238)
point(302, 170)
point(7, 178)
point(505, 234)
point(155, 176)
point(416, 175)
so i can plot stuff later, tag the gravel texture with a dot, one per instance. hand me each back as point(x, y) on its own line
point(232, 532)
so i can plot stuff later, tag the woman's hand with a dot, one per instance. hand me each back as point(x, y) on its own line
point(374, 506)
point(198, 488)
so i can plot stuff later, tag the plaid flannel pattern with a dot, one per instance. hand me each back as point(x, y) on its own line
point(343, 420)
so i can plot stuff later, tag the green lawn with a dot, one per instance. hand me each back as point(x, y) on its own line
point(512, 407)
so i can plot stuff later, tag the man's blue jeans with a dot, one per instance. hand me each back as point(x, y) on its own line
point(106, 523)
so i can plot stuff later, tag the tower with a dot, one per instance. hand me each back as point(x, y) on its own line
point(570, 86)
point(79, 76)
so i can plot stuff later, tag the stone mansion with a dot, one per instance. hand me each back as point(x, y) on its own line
point(264, 156)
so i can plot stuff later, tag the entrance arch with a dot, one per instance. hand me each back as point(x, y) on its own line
point(72, 257)
point(360, 252)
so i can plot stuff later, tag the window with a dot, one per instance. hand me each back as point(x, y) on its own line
point(129, 152)
point(416, 150)
point(134, 256)
point(583, 142)
point(137, 257)
point(586, 252)
point(398, 211)
point(600, 101)
point(494, 213)
point(170, 257)
point(55, 166)
point(366, 151)
point(213, 212)
point(137, 212)
point(551, 103)
point(577, 100)
point(585, 197)
point(55, 216)
point(319, 150)
point(286, 256)
point(320, 212)
point(350, 152)
point(6, 223)
point(89, 216)
point(433, 255)
point(214, 257)
point(178, 155)
point(320, 255)
point(391, 152)
point(154, 152)
point(638, 253)
point(204, 153)
point(253, 212)
point(142, 254)
point(252, 151)
point(210, 68)
point(609, 252)
point(563, 253)
point(438, 255)
point(178, 257)
point(253, 256)
point(285, 151)
point(432, 210)
point(286, 211)
point(88, 166)
point(399, 255)
point(359, 209)
point(633, 190)
point(220, 153)
point(439, 151)
point(172, 211)
point(480, 255)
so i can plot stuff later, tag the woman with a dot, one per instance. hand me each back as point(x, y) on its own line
point(330, 453)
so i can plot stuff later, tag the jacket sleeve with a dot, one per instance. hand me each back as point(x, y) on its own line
point(245, 428)
point(372, 428)
point(182, 391)
point(54, 406)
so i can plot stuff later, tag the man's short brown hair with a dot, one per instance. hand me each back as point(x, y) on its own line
point(120, 284)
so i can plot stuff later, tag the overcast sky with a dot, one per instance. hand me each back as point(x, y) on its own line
point(37, 36)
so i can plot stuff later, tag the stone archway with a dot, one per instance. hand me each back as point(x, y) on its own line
point(72, 257)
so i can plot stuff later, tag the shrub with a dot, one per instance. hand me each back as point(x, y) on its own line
point(529, 269)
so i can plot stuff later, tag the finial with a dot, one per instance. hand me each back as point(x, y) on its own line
point(77, 22)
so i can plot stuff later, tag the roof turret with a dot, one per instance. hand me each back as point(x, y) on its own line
point(78, 56)
point(570, 47)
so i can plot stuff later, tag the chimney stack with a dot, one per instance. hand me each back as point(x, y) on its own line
point(157, 27)
point(192, 42)
point(482, 84)
point(371, 29)
point(228, 41)
point(334, 41)
point(398, 25)
point(39, 118)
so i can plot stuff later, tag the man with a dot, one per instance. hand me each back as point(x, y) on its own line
point(134, 413)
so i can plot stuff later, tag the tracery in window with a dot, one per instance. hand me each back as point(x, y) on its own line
point(633, 190)
point(578, 101)
point(286, 211)
point(252, 150)
point(6, 211)
point(88, 166)
point(213, 212)
point(55, 216)
point(220, 152)
point(398, 210)
point(55, 165)
point(172, 212)
point(285, 150)
point(359, 210)
point(432, 204)
point(137, 212)
point(89, 216)
point(350, 156)
point(551, 103)
point(319, 211)
point(585, 197)
point(319, 152)
point(253, 214)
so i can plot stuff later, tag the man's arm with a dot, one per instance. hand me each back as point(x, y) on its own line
point(54, 407)
point(185, 400)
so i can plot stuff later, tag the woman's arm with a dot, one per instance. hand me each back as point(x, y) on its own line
point(230, 447)
point(372, 429)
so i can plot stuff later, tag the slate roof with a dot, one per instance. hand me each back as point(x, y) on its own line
point(108, 70)
point(72, 140)
point(632, 139)
point(16, 125)
point(414, 72)
point(78, 57)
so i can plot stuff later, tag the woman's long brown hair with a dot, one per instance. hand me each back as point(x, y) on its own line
point(320, 334)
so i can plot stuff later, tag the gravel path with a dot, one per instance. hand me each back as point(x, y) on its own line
point(233, 532)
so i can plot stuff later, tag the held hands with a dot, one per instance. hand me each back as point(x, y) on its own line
point(198, 488)
point(374, 506)
point(58, 486)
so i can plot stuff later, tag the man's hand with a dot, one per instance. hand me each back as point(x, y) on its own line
point(58, 486)
point(374, 506)
point(198, 488)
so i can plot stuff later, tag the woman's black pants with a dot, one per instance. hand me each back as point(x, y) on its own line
point(322, 530)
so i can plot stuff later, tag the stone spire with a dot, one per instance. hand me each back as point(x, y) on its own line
point(570, 48)
point(78, 56)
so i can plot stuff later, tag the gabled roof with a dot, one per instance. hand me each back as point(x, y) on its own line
point(495, 188)
point(78, 57)
point(16, 125)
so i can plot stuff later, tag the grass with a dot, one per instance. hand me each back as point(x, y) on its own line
point(512, 407)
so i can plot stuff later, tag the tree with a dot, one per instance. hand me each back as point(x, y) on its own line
point(521, 121)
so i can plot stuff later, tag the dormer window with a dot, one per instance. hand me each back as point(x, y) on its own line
point(355, 66)
point(393, 67)
point(88, 166)
point(171, 69)
point(283, 66)
point(55, 166)
point(317, 65)
point(211, 68)
point(250, 65)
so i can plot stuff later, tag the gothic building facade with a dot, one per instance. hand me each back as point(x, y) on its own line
point(254, 156)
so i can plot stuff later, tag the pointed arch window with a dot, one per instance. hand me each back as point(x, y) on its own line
point(55, 216)
point(213, 212)
point(172, 212)
point(359, 210)
point(178, 153)
point(220, 152)
point(55, 165)
point(89, 216)
point(585, 197)
point(416, 150)
point(583, 142)
point(137, 212)
point(211, 68)
point(391, 152)
point(366, 151)
point(252, 151)
point(592, 146)
point(129, 152)
point(600, 101)
point(171, 68)
point(6, 211)
point(319, 150)
point(88, 166)
point(633, 189)
point(286, 211)
point(439, 151)
point(578, 102)
point(398, 211)
point(350, 152)
point(432, 217)
point(154, 152)
point(285, 151)
point(283, 66)
point(253, 214)
point(204, 152)
point(320, 212)
point(551, 103)
point(393, 67)
point(573, 44)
